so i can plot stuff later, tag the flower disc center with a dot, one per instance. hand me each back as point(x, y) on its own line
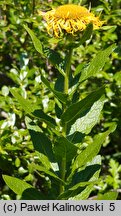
point(70, 11)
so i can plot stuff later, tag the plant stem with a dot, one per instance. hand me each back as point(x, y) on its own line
point(64, 131)
point(67, 71)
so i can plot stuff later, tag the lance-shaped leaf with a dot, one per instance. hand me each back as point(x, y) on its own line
point(36, 41)
point(82, 183)
point(44, 117)
point(55, 59)
point(93, 180)
point(64, 148)
point(97, 63)
point(62, 97)
point(85, 175)
point(33, 109)
point(46, 171)
point(19, 187)
point(86, 36)
point(87, 122)
point(80, 108)
point(93, 149)
point(42, 144)
point(87, 33)
point(52, 55)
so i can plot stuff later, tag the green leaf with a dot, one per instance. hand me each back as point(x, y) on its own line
point(59, 84)
point(78, 69)
point(44, 117)
point(31, 125)
point(80, 193)
point(46, 171)
point(76, 137)
point(26, 104)
point(80, 108)
point(55, 59)
point(64, 148)
point(108, 196)
point(44, 161)
point(88, 174)
point(42, 144)
point(87, 34)
point(15, 184)
point(36, 42)
point(84, 194)
point(33, 194)
point(58, 110)
point(97, 63)
point(117, 78)
point(93, 176)
point(82, 184)
point(87, 122)
point(92, 149)
point(62, 97)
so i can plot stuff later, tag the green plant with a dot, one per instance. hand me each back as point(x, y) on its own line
point(22, 84)
point(67, 158)
point(114, 170)
point(112, 179)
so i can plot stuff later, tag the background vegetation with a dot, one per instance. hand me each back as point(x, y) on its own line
point(21, 67)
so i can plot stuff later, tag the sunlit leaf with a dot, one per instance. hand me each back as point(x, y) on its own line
point(80, 108)
point(92, 149)
point(87, 122)
point(15, 184)
point(97, 63)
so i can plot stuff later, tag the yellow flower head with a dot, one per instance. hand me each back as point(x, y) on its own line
point(69, 18)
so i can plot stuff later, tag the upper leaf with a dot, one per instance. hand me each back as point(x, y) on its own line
point(97, 63)
point(55, 59)
point(36, 41)
point(87, 34)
